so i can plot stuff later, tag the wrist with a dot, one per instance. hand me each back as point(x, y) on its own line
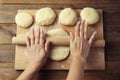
point(33, 67)
point(80, 61)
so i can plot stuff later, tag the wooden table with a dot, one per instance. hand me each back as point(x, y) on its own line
point(111, 9)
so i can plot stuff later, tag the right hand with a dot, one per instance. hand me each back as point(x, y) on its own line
point(79, 45)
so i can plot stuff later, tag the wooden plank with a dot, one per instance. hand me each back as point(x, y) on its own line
point(59, 1)
point(7, 31)
point(7, 53)
point(112, 72)
point(106, 7)
point(97, 54)
point(7, 65)
point(7, 16)
point(111, 26)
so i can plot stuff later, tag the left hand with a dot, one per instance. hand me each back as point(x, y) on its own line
point(37, 48)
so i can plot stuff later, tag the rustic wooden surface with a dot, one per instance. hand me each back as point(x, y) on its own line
point(95, 60)
point(111, 10)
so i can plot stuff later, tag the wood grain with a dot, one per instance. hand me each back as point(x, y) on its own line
point(59, 1)
point(112, 68)
point(95, 61)
point(7, 53)
point(112, 36)
point(7, 31)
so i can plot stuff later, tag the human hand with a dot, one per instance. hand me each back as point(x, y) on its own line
point(37, 48)
point(79, 45)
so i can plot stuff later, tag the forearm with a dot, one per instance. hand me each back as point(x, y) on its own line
point(30, 72)
point(76, 71)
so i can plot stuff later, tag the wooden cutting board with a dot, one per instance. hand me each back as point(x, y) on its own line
point(95, 60)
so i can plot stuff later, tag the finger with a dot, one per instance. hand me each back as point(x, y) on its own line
point(71, 37)
point(28, 42)
point(77, 29)
point(85, 31)
point(37, 36)
point(47, 44)
point(92, 37)
point(32, 37)
point(42, 37)
point(81, 29)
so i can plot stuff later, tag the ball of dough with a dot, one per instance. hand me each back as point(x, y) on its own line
point(23, 19)
point(45, 16)
point(58, 53)
point(90, 15)
point(68, 17)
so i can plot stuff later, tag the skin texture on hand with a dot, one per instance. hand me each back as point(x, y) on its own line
point(80, 47)
point(37, 48)
point(37, 53)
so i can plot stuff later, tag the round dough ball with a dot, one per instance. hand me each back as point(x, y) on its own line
point(90, 15)
point(23, 19)
point(45, 16)
point(68, 17)
point(58, 53)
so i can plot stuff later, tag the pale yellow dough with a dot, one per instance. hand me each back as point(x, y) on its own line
point(58, 53)
point(90, 15)
point(68, 17)
point(23, 19)
point(45, 16)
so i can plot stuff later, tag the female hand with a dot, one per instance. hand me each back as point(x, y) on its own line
point(79, 44)
point(37, 48)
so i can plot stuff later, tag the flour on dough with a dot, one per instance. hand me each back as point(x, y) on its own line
point(58, 53)
point(23, 19)
point(45, 16)
point(90, 15)
point(68, 17)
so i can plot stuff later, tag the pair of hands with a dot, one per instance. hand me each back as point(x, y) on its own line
point(37, 47)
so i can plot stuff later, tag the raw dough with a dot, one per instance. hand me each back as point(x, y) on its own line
point(45, 16)
point(90, 15)
point(58, 53)
point(68, 17)
point(58, 32)
point(23, 19)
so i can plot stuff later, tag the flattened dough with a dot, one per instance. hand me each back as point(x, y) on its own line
point(23, 19)
point(90, 15)
point(68, 17)
point(45, 16)
point(57, 33)
point(58, 53)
